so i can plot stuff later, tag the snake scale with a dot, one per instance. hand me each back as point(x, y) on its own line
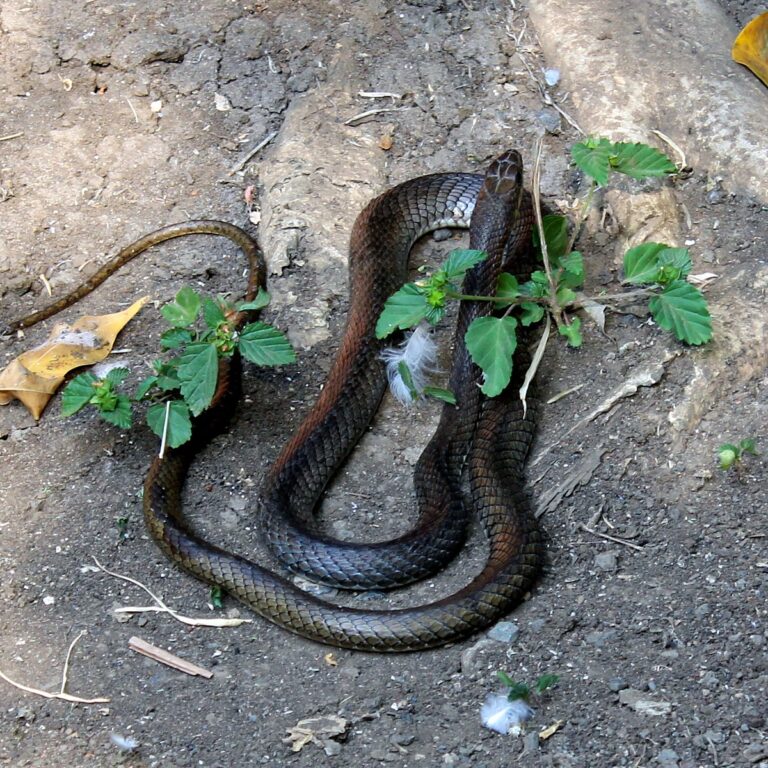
point(487, 439)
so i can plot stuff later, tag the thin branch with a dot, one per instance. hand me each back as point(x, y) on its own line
point(164, 607)
point(66, 662)
point(608, 537)
point(241, 163)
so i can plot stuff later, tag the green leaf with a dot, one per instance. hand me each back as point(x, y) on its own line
point(641, 263)
point(593, 157)
point(507, 287)
point(117, 376)
point(572, 332)
point(405, 375)
point(120, 415)
point(728, 455)
point(213, 314)
point(198, 372)
point(167, 374)
point(179, 422)
point(505, 679)
point(174, 338)
point(77, 393)
point(748, 446)
point(640, 161)
point(402, 310)
point(530, 313)
point(682, 309)
point(217, 595)
point(491, 342)
point(572, 270)
point(518, 691)
point(674, 264)
point(544, 682)
point(265, 345)
point(460, 261)
point(144, 387)
point(440, 394)
point(182, 311)
point(555, 235)
point(259, 302)
point(565, 296)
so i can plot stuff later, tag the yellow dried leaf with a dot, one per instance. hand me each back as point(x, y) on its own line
point(330, 660)
point(386, 141)
point(35, 375)
point(551, 730)
point(751, 47)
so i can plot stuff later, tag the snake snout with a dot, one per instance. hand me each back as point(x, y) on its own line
point(505, 173)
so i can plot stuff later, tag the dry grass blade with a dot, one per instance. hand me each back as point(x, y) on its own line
point(534, 366)
point(161, 606)
point(168, 658)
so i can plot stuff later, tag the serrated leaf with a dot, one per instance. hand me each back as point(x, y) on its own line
point(518, 691)
point(213, 314)
point(440, 394)
point(144, 387)
point(544, 682)
point(682, 309)
point(179, 422)
point(198, 372)
point(555, 234)
point(402, 310)
point(265, 345)
point(77, 393)
point(460, 261)
point(572, 270)
point(530, 313)
point(117, 376)
point(175, 338)
point(507, 287)
point(572, 332)
point(748, 445)
point(260, 301)
point(120, 415)
point(674, 264)
point(407, 377)
point(640, 161)
point(182, 311)
point(505, 679)
point(565, 296)
point(641, 263)
point(593, 157)
point(491, 342)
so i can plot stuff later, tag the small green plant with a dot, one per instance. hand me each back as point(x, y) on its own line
point(523, 691)
point(217, 597)
point(202, 331)
point(730, 455)
point(675, 304)
point(121, 523)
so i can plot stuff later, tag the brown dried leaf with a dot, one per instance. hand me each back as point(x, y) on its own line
point(385, 142)
point(36, 374)
point(317, 729)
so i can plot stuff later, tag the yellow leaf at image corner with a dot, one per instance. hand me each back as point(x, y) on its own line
point(751, 47)
point(36, 374)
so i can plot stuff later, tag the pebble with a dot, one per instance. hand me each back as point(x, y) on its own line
point(550, 119)
point(600, 638)
point(331, 748)
point(504, 632)
point(383, 755)
point(702, 610)
point(643, 704)
point(469, 656)
point(668, 758)
point(607, 561)
point(531, 742)
point(617, 684)
point(403, 739)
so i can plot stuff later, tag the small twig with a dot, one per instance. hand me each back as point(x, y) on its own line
point(161, 454)
point(167, 658)
point(62, 694)
point(583, 214)
point(263, 143)
point(564, 393)
point(135, 116)
point(164, 607)
point(608, 537)
point(667, 140)
point(66, 662)
point(10, 136)
point(380, 95)
point(362, 116)
point(534, 366)
point(46, 284)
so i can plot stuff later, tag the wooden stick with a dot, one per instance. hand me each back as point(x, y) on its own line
point(167, 658)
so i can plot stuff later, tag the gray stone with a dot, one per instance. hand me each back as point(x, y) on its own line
point(607, 561)
point(617, 684)
point(504, 632)
point(550, 119)
point(667, 758)
point(643, 703)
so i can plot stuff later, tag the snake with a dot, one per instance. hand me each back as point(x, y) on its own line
point(484, 441)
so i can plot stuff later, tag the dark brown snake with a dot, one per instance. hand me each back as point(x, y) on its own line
point(489, 439)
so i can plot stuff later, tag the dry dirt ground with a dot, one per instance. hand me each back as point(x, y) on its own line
point(118, 118)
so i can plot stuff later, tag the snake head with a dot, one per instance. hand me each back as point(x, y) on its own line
point(504, 176)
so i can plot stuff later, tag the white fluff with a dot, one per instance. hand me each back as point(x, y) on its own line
point(500, 714)
point(419, 353)
point(124, 743)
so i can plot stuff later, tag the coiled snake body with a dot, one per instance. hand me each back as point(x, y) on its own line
point(491, 438)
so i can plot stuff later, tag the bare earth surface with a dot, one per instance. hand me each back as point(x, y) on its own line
point(117, 120)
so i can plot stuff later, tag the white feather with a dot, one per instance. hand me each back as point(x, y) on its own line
point(419, 353)
point(500, 714)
